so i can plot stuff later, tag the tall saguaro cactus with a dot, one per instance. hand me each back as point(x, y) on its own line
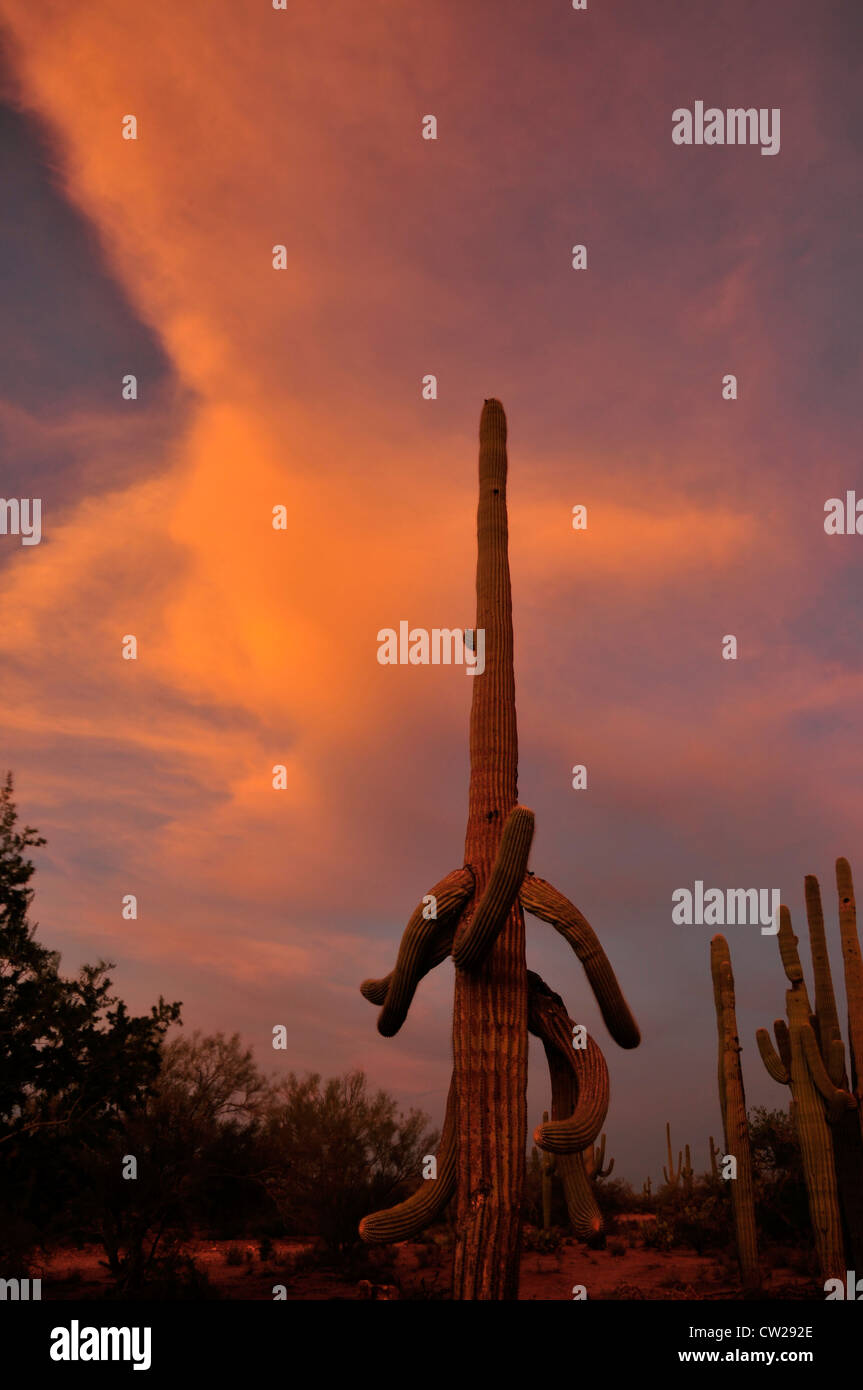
point(817, 1101)
point(734, 1122)
point(496, 999)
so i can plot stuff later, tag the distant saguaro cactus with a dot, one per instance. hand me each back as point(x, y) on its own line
point(715, 1155)
point(496, 999)
point(594, 1159)
point(734, 1120)
point(809, 1058)
point(672, 1174)
point(548, 1168)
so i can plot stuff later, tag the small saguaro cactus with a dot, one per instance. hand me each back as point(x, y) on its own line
point(646, 1189)
point(548, 1169)
point(797, 1062)
point(672, 1174)
point(480, 923)
point(715, 1155)
point(594, 1157)
point(734, 1121)
point(688, 1172)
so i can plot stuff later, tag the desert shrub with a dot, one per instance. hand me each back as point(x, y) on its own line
point(542, 1242)
point(174, 1277)
point(332, 1151)
point(657, 1235)
point(615, 1195)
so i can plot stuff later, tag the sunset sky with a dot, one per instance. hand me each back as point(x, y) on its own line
point(302, 387)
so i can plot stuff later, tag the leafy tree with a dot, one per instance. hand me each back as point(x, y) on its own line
point(781, 1201)
point(73, 1061)
point(192, 1138)
point(333, 1152)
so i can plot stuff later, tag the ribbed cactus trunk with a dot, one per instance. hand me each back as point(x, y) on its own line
point(490, 1013)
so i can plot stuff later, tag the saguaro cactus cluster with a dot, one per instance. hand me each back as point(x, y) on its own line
point(480, 922)
point(809, 1057)
point(733, 1104)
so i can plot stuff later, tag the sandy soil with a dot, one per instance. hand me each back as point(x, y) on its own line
point(421, 1271)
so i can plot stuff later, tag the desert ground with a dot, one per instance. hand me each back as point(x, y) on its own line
point(624, 1269)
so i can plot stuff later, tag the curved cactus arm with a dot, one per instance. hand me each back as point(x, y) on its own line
point(789, 953)
point(836, 1097)
point(549, 1021)
point(441, 947)
point(783, 1042)
point(584, 1214)
point(544, 901)
point(480, 933)
point(424, 944)
point(409, 1218)
point(585, 1217)
point(773, 1062)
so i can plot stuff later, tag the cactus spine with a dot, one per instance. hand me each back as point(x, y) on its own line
point(481, 923)
point(734, 1121)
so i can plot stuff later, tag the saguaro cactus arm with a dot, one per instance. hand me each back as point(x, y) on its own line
point(836, 1097)
point(545, 902)
point(776, 1068)
point(440, 947)
point(789, 953)
point(417, 949)
point(477, 937)
point(548, 1020)
point(409, 1218)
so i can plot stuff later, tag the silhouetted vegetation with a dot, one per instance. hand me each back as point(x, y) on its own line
point(110, 1133)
